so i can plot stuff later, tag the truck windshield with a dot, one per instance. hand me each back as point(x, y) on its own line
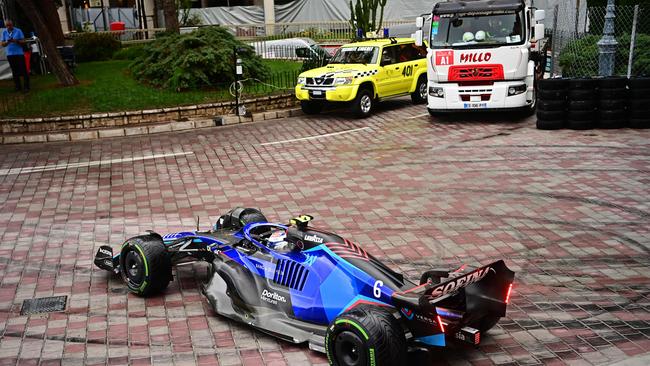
point(472, 31)
point(355, 55)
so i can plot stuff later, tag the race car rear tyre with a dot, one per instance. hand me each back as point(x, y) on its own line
point(145, 265)
point(311, 108)
point(419, 96)
point(364, 103)
point(366, 335)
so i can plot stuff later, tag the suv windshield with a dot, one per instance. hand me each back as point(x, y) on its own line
point(355, 55)
point(453, 30)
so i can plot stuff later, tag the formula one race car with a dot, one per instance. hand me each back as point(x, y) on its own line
point(303, 284)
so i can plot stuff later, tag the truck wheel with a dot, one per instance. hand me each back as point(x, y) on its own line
point(145, 265)
point(367, 335)
point(363, 104)
point(419, 96)
point(311, 107)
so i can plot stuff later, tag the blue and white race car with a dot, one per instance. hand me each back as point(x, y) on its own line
point(306, 285)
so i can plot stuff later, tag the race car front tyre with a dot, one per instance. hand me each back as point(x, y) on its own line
point(363, 104)
point(145, 265)
point(366, 335)
point(419, 96)
point(311, 108)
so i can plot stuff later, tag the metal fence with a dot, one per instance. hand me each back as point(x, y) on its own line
point(575, 37)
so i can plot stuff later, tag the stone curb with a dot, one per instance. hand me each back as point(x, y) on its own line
point(152, 128)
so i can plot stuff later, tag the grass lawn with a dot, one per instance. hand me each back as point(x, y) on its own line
point(106, 86)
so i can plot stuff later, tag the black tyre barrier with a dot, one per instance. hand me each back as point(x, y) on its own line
point(640, 93)
point(582, 105)
point(640, 104)
point(613, 114)
point(550, 125)
point(583, 84)
point(553, 84)
point(620, 93)
point(639, 123)
point(583, 116)
point(638, 114)
point(551, 105)
point(552, 94)
point(581, 124)
point(616, 82)
point(612, 104)
point(582, 94)
point(639, 83)
point(611, 124)
point(551, 115)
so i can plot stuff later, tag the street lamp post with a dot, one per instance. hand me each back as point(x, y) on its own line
point(607, 44)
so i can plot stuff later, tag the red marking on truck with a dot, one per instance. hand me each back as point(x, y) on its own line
point(475, 57)
point(444, 58)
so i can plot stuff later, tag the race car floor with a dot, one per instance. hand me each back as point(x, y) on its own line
point(569, 211)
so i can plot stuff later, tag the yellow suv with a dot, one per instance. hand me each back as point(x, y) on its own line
point(366, 72)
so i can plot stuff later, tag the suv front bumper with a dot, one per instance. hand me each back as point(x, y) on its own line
point(341, 93)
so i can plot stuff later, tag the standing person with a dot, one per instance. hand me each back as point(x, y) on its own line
point(14, 39)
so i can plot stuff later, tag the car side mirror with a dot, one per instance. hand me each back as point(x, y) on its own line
point(419, 41)
point(302, 52)
point(419, 22)
point(539, 31)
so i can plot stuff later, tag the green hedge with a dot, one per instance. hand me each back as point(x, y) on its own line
point(129, 53)
point(203, 58)
point(580, 57)
point(95, 46)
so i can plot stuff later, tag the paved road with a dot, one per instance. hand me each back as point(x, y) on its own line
point(568, 210)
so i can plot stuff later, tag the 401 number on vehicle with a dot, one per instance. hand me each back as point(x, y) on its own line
point(408, 71)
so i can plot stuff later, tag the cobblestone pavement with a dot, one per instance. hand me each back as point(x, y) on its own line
point(568, 210)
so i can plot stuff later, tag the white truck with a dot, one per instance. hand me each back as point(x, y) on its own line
point(482, 54)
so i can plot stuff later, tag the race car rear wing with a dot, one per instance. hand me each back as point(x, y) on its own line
point(488, 286)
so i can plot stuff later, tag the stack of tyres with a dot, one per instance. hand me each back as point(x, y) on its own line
point(612, 107)
point(551, 104)
point(583, 104)
point(639, 103)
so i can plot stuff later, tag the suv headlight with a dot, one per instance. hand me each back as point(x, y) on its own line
point(343, 81)
point(517, 89)
point(436, 92)
point(302, 80)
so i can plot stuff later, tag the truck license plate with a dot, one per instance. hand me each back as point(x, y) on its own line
point(318, 92)
point(474, 105)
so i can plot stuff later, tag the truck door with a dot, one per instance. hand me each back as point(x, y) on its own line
point(389, 76)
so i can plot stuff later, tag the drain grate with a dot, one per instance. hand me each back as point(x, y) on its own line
point(44, 305)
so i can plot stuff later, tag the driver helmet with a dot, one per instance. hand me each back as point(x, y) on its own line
point(480, 36)
point(468, 36)
point(278, 240)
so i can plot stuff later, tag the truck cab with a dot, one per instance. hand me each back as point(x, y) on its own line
point(482, 55)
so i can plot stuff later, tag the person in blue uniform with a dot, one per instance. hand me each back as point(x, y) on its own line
point(13, 40)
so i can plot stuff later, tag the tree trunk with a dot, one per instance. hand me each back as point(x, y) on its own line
point(171, 16)
point(54, 58)
point(51, 17)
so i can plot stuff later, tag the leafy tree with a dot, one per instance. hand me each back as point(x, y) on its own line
point(203, 58)
point(39, 19)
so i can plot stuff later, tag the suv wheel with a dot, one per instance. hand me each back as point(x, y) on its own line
point(363, 104)
point(419, 96)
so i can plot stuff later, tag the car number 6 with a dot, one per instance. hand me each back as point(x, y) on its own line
point(376, 290)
